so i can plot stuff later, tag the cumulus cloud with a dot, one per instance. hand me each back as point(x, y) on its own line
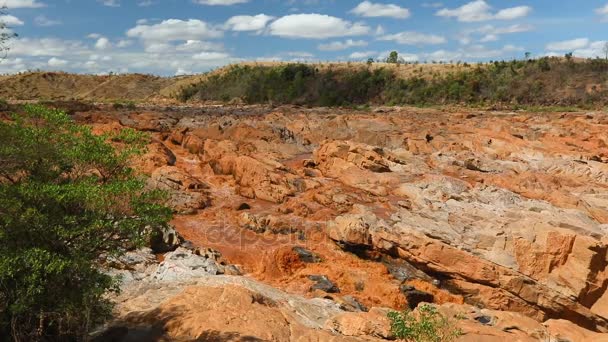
point(370, 9)
point(10, 20)
point(316, 26)
point(103, 43)
point(580, 47)
point(490, 33)
point(22, 4)
point(479, 10)
point(248, 22)
point(473, 52)
point(220, 2)
point(174, 30)
point(568, 45)
point(44, 47)
point(55, 62)
point(339, 45)
point(362, 54)
point(414, 38)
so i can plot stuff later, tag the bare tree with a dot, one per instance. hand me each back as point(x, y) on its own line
point(5, 34)
point(606, 50)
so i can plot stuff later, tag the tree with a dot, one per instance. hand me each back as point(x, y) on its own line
point(606, 50)
point(393, 57)
point(5, 34)
point(370, 61)
point(569, 56)
point(527, 55)
point(68, 199)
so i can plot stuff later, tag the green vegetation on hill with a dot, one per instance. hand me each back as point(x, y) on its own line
point(541, 82)
point(68, 200)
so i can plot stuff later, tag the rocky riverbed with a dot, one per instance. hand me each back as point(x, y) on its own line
point(310, 224)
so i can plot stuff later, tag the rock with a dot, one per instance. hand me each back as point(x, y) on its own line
point(415, 297)
point(483, 319)
point(186, 193)
point(323, 283)
point(165, 239)
point(350, 303)
point(182, 265)
point(373, 324)
point(306, 255)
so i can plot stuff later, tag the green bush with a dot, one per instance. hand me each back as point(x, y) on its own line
point(428, 325)
point(68, 199)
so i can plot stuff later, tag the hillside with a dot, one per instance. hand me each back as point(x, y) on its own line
point(542, 82)
point(64, 86)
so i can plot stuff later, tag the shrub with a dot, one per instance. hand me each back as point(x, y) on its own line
point(68, 199)
point(428, 325)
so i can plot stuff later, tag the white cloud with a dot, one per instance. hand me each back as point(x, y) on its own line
point(362, 54)
point(123, 43)
point(370, 9)
point(414, 38)
point(44, 47)
point(603, 11)
point(197, 46)
point(173, 30)
point(211, 56)
point(110, 3)
point(55, 62)
point(339, 45)
point(22, 4)
point(513, 13)
point(220, 2)
point(42, 20)
point(479, 10)
point(490, 33)
point(315, 26)
point(10, 20)
point(103, 43)
point(473, 52)
point(568, 45)
point(248, 22)
point(581, 47)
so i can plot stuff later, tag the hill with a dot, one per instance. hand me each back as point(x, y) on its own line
point(541, 82)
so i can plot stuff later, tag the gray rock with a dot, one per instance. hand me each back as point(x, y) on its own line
point(306, 255)
point(323, 283)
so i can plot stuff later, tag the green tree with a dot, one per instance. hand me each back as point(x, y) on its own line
point(393, 57)
point(68, 199)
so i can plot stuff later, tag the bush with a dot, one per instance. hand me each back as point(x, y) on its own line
point(428, 325)
point(67, 200)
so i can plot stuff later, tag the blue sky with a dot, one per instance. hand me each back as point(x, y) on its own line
point(169, 37)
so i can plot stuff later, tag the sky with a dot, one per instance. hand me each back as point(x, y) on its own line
point(177, 37)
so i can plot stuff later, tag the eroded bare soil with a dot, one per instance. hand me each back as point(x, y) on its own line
point(506, 211)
